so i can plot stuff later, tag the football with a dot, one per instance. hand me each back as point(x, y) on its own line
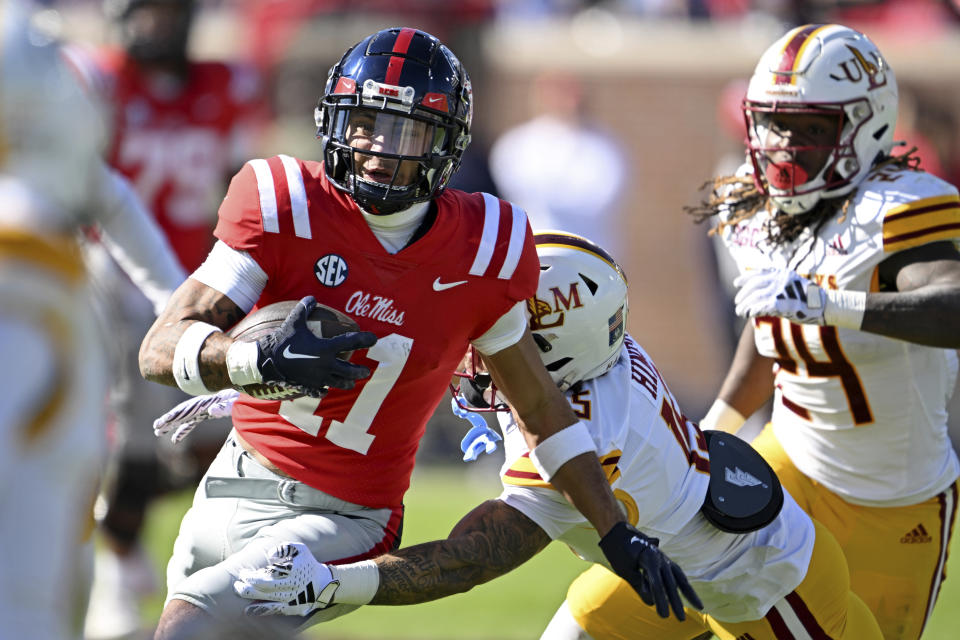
point(324, 322)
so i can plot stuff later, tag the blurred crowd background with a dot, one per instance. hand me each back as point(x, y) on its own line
point(601, 117)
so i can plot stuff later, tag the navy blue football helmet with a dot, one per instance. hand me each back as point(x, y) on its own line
point(394, 119)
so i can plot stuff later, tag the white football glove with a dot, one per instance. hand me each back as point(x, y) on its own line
point(184, 417)
point(779, 292)
point(292, 584)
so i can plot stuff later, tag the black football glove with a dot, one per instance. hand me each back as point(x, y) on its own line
point(656, 578)
point(294, 355)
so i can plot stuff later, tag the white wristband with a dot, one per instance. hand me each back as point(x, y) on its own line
point(186, 358)
point(242, 363)
point(722, 417)
point(359, 582)
point(552, 453)
point(844, 308)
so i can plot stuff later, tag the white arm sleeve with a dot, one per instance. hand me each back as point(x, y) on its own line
point(505, 332)
point(134, 240)
point(233, 273)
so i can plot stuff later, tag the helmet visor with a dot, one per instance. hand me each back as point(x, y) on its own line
point(388, 133)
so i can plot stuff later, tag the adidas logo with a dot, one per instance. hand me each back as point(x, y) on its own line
point(739, 477)
point(917, 535)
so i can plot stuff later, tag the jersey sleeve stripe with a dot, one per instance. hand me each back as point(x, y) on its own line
point(920, 207)
point(298, 197)
point(518, 233)
point(920, 222)
point(268, 195)
point(925, 236)
point(488, 240)
point(522, 473)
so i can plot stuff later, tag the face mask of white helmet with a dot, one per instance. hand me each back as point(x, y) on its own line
point(827, 71)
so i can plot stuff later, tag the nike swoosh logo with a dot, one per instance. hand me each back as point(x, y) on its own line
point(434, 99)
point(442, 286)
point(293, 356)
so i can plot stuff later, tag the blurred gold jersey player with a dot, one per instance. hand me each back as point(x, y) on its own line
point(54, 375)
point(851, 279)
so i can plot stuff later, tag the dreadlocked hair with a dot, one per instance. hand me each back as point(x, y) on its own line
point(739, 197)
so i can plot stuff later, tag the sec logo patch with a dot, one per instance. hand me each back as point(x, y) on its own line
point(331, 270)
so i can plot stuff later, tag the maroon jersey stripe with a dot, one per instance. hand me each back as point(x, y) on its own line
point(909, 213)
point(921, 232)
point(526, 475)
point(400, 45)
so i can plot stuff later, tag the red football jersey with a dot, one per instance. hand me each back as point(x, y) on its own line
point(424, 303)
point(178, 144)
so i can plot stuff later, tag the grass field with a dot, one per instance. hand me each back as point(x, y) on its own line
point(515, 607)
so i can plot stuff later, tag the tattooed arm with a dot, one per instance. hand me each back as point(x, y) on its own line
point(191, 302)
point(488, 542)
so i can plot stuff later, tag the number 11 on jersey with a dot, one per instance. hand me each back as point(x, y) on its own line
point(391, 353)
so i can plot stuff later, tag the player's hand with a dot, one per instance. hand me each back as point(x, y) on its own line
point(184, 417)
point(779, 292)
point(292, 584)
point(293, 354)
point(480, 438)
point(656, 578)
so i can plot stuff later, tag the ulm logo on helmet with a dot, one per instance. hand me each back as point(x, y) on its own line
point(540, 309)
point(854, 69)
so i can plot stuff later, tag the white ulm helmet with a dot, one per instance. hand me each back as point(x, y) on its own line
point(824, 69)
point(579, 314)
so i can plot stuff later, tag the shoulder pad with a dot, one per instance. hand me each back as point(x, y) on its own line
point(913, 208)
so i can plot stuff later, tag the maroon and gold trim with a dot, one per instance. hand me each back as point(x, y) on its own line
point(522, 473)
point(920, 222)
point(948, 500)
point(579, 243)
point(793, 50)
point(809, 624)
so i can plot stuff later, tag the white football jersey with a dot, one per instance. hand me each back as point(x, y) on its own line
point(863, 414)
point(658, 468)
point(52, 422)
